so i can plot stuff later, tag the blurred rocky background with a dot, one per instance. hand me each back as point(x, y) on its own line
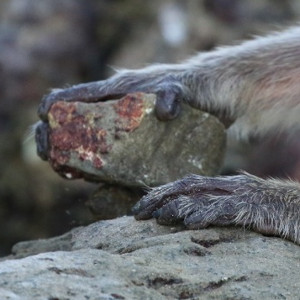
point(50, 43)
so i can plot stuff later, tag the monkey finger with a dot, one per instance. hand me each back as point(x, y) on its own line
point(156, 198)
point(197, 220)
point(41, 139)
point(86, 92)
point(175, 211)
point(167, 104)
point(221, 211)
point(144, 208)
point(202, 219)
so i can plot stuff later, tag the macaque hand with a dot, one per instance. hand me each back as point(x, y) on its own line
point(167, 87)
point(244, 199)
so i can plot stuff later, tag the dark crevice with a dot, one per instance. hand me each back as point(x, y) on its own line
point(158, 282)
point(196, 251)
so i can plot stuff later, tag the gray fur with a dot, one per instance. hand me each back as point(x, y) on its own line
point(269, 206)
point(247, 82)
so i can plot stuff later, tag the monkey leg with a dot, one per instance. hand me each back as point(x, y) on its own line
point(268, 206)
point(167, 87)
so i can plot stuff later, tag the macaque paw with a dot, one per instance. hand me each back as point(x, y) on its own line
point(198, 201)
point(167, 89)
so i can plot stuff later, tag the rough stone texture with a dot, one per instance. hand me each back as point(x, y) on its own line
point(123, 142)
point(112, 201)
point(125, 259)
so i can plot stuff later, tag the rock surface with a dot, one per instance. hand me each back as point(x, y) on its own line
point(112, 201)
point(122, 142)
point(125, 259)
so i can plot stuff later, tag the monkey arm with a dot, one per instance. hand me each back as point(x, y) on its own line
point(269, 206)
point(255, 83)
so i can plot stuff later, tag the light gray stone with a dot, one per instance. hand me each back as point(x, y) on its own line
point(125, 259)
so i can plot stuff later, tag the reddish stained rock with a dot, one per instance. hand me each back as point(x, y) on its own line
point(61, 158)
point(103, 147)
point(75, 130)
point(84, 134)
point(70, 132)
point(97, 162)
point(130, 110)
point(122, 142)
point(62, 113)
point(70, 136)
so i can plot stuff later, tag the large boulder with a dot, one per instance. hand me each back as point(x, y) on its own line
point(125, 259)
